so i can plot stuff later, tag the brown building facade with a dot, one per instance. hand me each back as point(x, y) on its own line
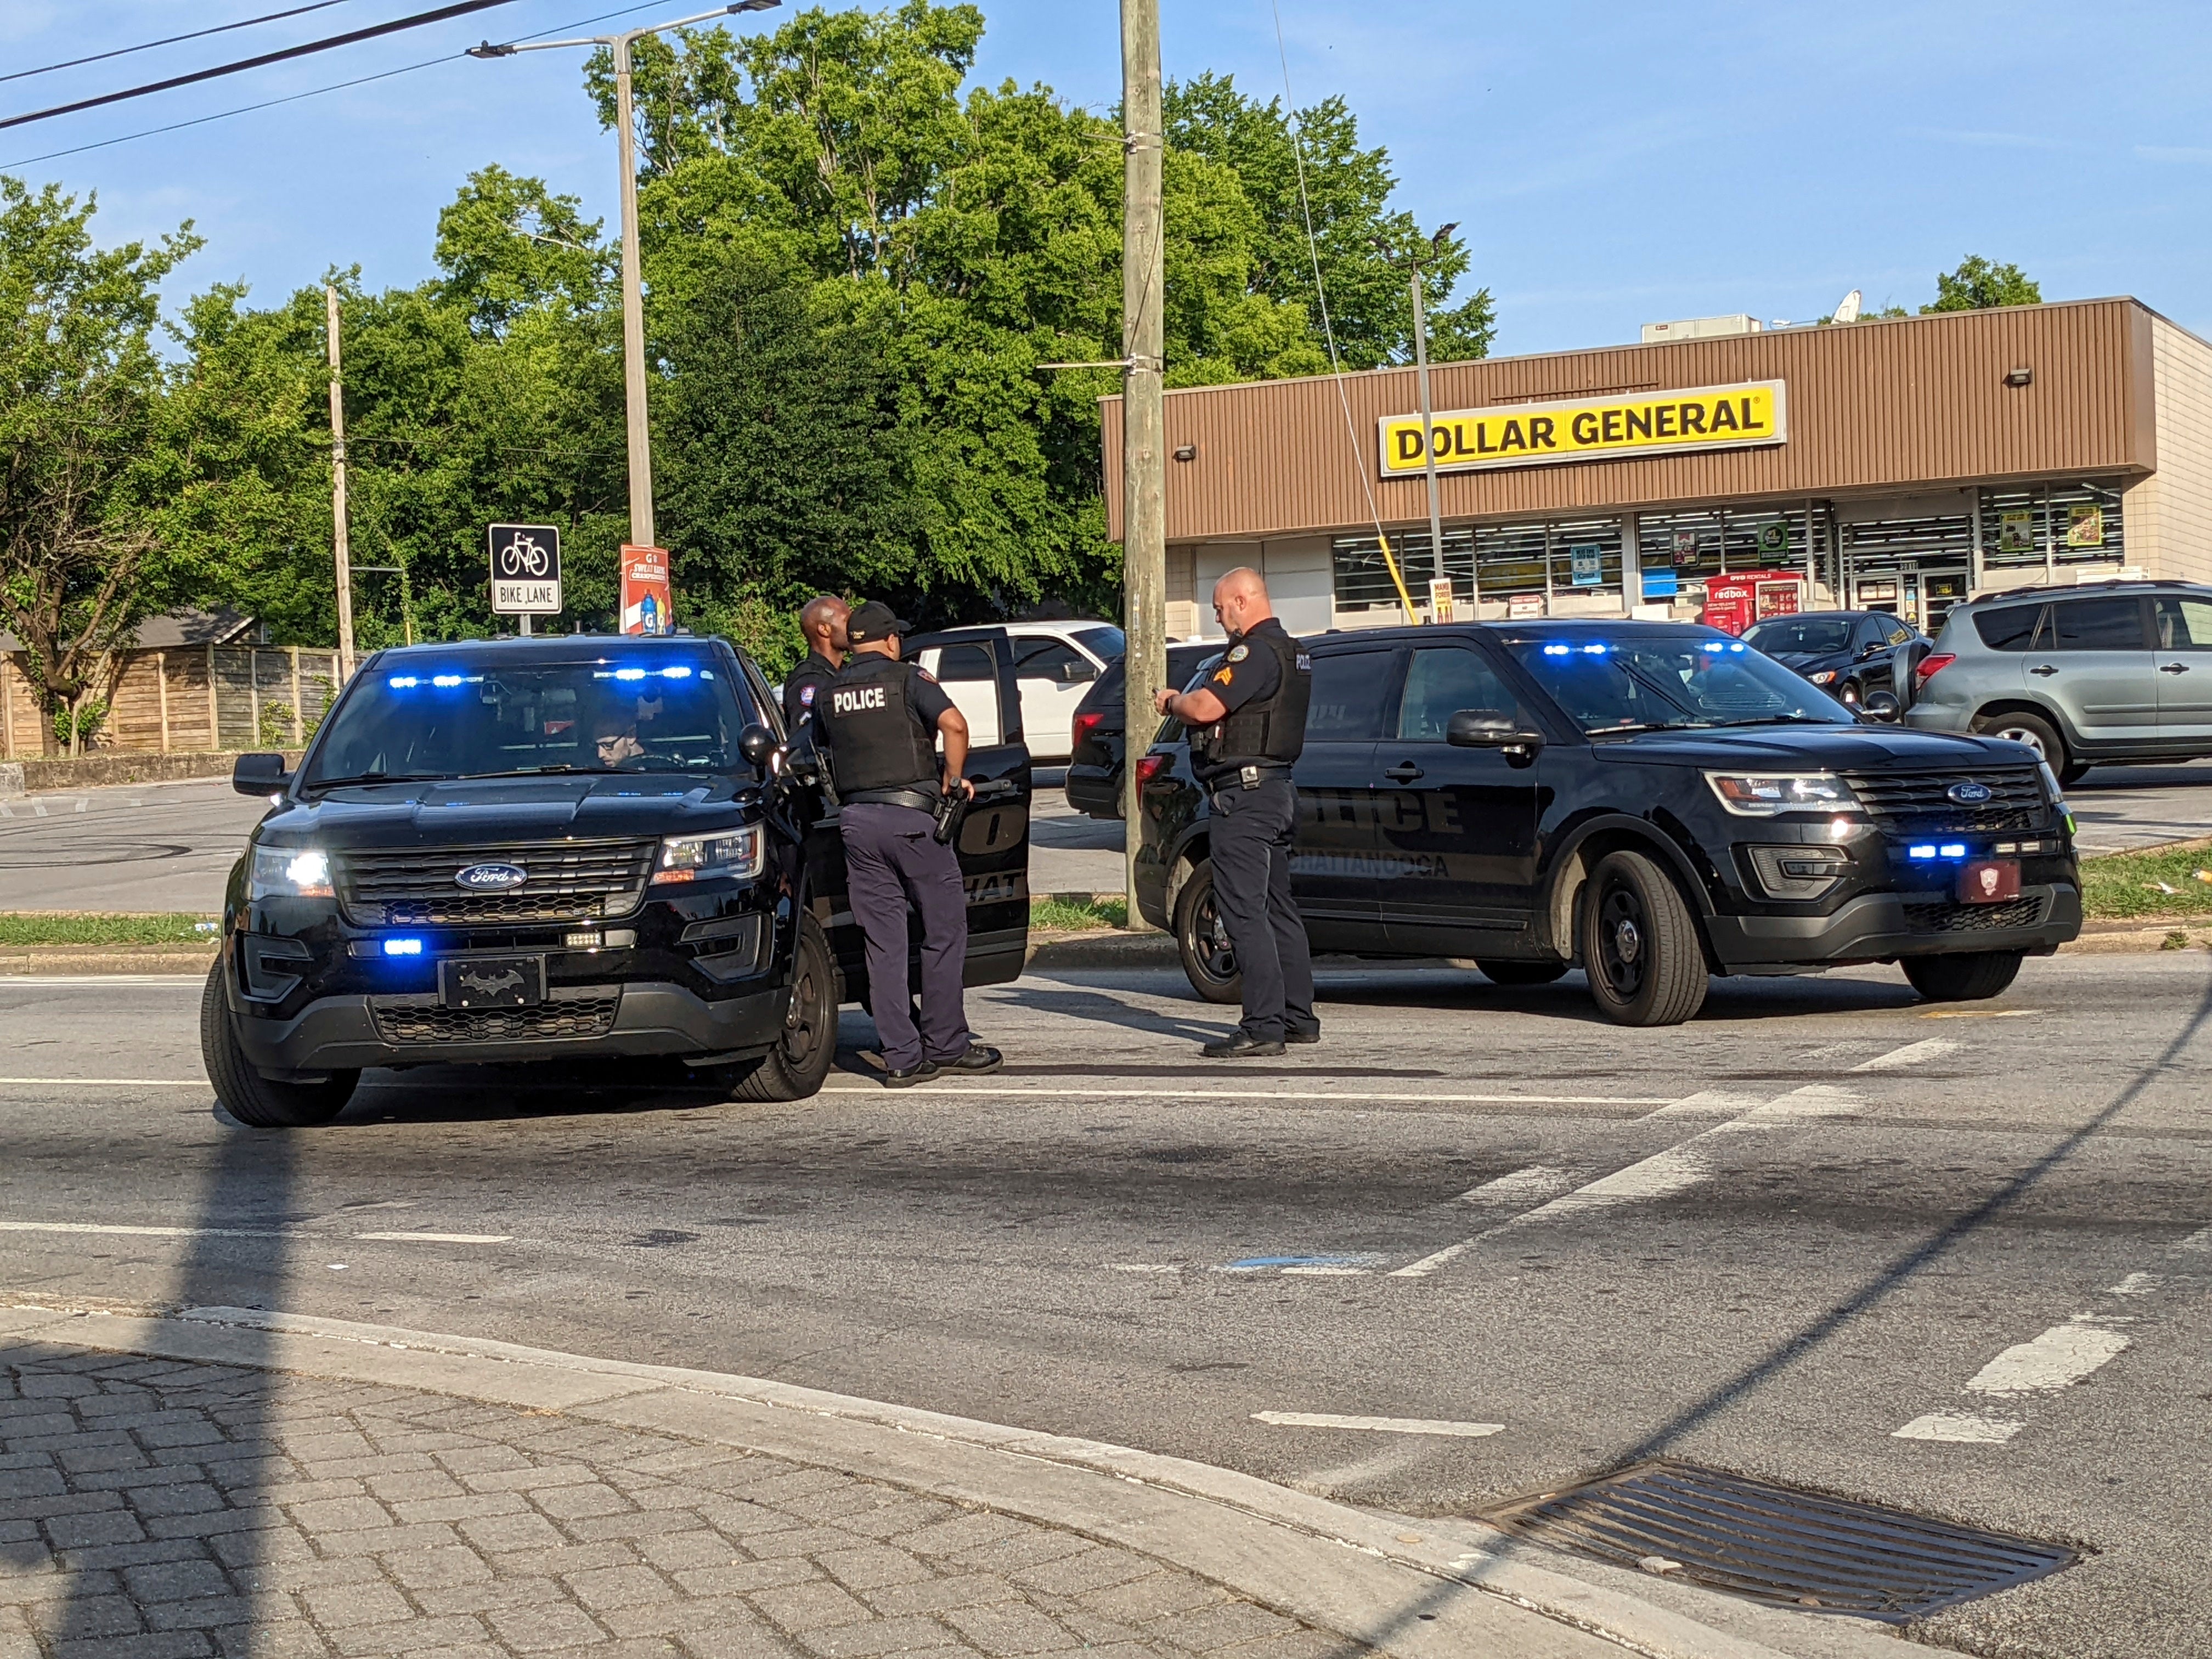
point(1897, 465)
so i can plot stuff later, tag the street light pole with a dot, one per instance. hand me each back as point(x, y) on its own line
point(636, 434)
point(1428, 425)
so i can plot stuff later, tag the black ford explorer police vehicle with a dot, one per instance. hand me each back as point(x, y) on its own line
point(535, 849)
point(1652, 802)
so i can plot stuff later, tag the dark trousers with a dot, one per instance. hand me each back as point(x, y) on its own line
point(890, 857)
point(1251, 853)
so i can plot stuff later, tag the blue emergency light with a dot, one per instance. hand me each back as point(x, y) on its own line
point(403, 947)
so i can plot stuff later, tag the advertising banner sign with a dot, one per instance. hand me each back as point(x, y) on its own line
point(2085, 526)
point(1519, 605)
point(645, 597)
point(1442, 607)
point(1587, 561)
point(1621, 427)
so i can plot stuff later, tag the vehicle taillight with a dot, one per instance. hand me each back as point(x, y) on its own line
point(1149, 767)
point(1086, 724)
point(1930, 666)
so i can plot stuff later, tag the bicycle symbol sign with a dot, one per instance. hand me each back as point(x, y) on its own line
point(525, 570)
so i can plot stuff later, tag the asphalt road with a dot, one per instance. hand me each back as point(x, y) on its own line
point(168, 847)
point(1821, 1213)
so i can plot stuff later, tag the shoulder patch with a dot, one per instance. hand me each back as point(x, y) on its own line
point(806, 694)
point(1239, 652)
point(924, 674)
point(1223, 676)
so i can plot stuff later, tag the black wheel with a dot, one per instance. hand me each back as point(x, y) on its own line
point(1202, 937)
point(1521, 973)
point(794, 1069)
point(1639, 944)
point(1970, 977)
point(2037, 732)
point(252, 1099)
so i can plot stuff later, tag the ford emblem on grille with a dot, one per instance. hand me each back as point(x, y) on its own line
point(498, 878)
point(1969, 793)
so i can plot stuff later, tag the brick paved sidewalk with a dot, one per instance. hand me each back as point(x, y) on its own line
point(151, 1508)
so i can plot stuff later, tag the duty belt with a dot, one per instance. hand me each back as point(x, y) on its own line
point(921, 800)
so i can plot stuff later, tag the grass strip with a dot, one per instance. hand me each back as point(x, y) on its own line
point(1066, 915)
point(2164, 881)
point(32, 927)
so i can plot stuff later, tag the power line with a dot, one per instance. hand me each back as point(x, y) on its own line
point(171, 40)
point(315, 92)
point(460, 10)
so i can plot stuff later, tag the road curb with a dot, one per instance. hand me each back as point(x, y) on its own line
point(95, 959)
point(1101, 948)
point(1390, 1582)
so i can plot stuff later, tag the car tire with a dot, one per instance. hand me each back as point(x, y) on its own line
point(1969, 976)
point(797, 1067)
point(1521, 973)
point(256, 1101)
point(1202, 939)
point(2036, 732)
point(1639, 944)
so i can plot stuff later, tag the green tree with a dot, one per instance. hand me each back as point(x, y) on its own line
point(1978, 285)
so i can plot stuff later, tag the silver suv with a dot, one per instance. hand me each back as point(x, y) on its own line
point(2110, 672)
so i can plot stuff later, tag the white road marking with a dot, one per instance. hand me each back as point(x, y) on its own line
point(2059, 1359)
point(2198, 1243)
point(438, 1238)
point(1710, 1103)
point(1964, 1428)
point(117, 1230)
point(1311, 1095)
point(1143, 1266)
point(114, 1082)
point(2137, 1284)
point(1532, 1185)
point(1912, 1054)
point(1379, 1425)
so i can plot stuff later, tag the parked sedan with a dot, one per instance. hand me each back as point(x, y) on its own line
point(1850, 654)
point(1098, 741)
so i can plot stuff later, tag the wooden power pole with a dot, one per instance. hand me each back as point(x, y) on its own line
point(1144, 415)
point(340, 549)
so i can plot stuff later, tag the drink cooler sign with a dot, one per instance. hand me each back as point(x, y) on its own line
point(1618, 428)
point(645, 598)
point(525, 570)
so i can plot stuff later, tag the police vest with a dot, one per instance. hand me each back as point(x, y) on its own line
point(876, 739)
point(1268, 731)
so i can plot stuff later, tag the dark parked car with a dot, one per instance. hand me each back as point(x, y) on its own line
point(1850, 654)
point(1094, 770)
point(555, 849)
point(1652, 802)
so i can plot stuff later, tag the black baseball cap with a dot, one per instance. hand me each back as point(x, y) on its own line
point(874, 621)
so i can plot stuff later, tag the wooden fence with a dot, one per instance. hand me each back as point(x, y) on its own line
point(191, 696)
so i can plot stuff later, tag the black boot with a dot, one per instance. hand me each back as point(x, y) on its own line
point(1242, 1045)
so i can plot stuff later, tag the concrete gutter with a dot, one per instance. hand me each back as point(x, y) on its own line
point(1410, 1588)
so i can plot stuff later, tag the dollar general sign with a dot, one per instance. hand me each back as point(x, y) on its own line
point(1621, 426)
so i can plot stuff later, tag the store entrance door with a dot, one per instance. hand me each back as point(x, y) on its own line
point(1920, 593)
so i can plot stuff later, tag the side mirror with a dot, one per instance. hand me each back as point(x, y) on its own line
point(259, 774)
point(1881, 705)
point(1470, 728)
point(1075, 673)
point(757, 744)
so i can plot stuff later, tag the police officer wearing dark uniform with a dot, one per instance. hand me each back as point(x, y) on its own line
point(880, 719)
point(1248, 724)
point(823, 622)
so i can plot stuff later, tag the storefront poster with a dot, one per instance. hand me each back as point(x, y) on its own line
point(1774, 538)
point(1520, 606)
point(2085, 526)
point(1686, 547)
point(1442, 607)
point(1778, 599)
point(2016, 531)
point(1587, 561)
point(646, 604)
point(1628, 424)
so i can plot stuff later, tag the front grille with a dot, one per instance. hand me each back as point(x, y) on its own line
point(1948, 917)
point(579, 1017)
point(568, 881)
point(1920, 801)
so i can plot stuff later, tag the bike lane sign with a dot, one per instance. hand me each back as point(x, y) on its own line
point(525, 570)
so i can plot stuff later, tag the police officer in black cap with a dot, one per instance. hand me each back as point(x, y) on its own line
point(1248, 724)
point(823, 622)
point(880, 719)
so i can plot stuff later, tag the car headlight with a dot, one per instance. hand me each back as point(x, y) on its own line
point(1826, 677)
point(735, 853)
point(290, 872)
point(1761, 795)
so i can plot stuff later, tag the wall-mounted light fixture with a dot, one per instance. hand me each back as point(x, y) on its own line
point(2020, 377)
point(1186, 451)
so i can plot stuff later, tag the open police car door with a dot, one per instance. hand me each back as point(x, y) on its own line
point(994, 841)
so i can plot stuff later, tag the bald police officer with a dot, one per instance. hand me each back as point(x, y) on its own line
point(880, 720)
point(823, 622)
point(1248, 724)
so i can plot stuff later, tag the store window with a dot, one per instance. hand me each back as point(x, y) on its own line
point(2041, 527)
point(1712, 541)
point(1536, 563)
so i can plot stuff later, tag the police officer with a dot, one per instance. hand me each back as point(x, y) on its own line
point(823, 622)
point(880, 720)
point(1248, 724)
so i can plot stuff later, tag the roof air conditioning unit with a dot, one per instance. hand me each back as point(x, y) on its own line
point(1703, 328)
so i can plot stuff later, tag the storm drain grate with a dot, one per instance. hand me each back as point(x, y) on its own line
point(1792, 1548)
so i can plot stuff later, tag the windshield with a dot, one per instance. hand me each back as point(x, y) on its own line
point(1647, 681)
point(1810, 634)
point(1104, 641)
point(475, 714)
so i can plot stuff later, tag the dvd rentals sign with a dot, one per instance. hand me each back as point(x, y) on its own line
point(525, 570)
point(645, 598)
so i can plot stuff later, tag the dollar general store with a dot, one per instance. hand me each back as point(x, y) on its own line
point(1896, 465)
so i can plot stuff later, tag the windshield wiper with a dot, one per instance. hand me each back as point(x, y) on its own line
point(1646, 725)
point(1791, 719)
point(372, 777)
point(536, 771)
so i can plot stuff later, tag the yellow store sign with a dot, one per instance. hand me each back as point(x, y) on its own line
point(1624, 425)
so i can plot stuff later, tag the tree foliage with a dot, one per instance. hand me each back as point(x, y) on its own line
point(1978, 285)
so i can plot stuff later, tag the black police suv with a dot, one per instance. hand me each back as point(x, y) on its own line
point(535, 849)
point(1099, 740)
point(1652, 802)
point(1850, 654)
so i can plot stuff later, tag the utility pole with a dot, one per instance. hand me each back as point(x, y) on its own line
point(1428, 443)
point(1143, 416)
point(341, 550)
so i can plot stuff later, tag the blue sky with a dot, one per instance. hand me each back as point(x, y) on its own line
point(1610, 163)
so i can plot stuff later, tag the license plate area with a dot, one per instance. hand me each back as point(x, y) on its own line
point(492, 982)
point(1989, 881)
